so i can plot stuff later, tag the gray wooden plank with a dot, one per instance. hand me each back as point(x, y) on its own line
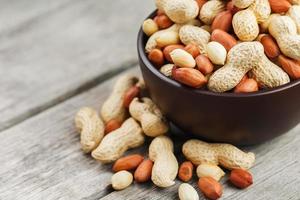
point(41, 159)
point(15, 13)
point(51, 49)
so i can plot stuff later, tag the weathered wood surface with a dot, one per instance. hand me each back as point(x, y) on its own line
point(51, 54)
point(51, 50)
point(41, 159)
point(44, 160)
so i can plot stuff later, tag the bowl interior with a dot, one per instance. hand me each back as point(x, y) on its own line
point(142, 39)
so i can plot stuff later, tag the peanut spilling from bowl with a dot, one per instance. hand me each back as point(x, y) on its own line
point(114, 145)
point(91, 127)
point(144, 118)
point(226, 155)
point(228, 41)
point(165, 166)
point(113, 108)
point(149, 115)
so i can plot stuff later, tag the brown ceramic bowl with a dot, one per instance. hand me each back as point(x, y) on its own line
point(240, 119)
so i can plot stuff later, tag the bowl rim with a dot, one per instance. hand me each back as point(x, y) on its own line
point(143, 57)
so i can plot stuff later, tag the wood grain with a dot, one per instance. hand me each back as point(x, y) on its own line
point(41, 159)
point(52, 50)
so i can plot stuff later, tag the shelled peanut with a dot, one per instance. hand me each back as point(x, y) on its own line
point(185, 172)
point(206, 47)
point(208, 156)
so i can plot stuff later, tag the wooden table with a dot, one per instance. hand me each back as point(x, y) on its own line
point(57, 56)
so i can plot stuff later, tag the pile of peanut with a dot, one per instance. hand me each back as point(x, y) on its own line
point(239, 45)
point(127, 118)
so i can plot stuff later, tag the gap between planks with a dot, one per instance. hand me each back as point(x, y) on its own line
point(89, 84)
